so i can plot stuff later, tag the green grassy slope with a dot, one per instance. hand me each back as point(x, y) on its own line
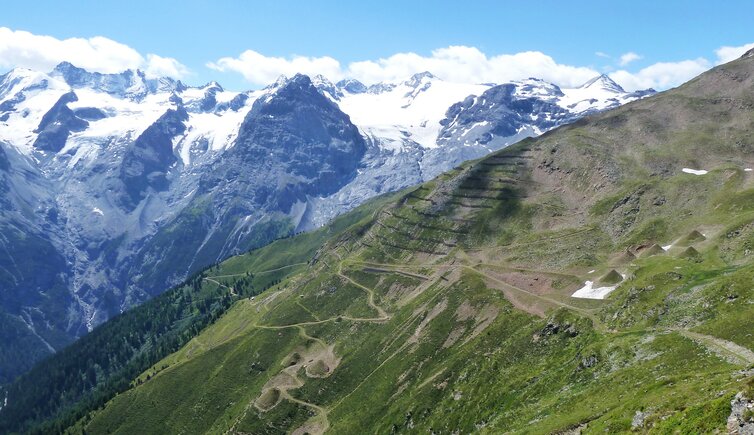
point(451, 311)
point(82, 377)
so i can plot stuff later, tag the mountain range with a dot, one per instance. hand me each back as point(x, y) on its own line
point(594, 279)
point(116, 187)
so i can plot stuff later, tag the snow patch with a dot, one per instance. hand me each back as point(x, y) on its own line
point(96, 210)
point(418, 114)
point(694, 171)
point(591, 292)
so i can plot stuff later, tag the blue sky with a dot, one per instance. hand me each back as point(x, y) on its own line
point(195, 33)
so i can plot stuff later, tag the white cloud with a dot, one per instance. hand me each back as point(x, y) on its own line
point(454, 63)
point(19, 48)
point(662, 75)
point(627, 58)
point(158, 66)
point(601, 54)
point(262, 70)
point(465, 65)
point(727, 54)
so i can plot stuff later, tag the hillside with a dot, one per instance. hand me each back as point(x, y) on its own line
point(117, 187)
point(60, 389)
point(451, 309)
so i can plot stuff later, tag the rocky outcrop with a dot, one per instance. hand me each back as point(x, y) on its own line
point(741, 419)
point(148, 160)
point(57, 124)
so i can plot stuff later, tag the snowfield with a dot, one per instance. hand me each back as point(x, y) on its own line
point(591, 292)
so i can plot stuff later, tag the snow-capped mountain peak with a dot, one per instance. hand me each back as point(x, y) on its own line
point(537, 88)
point(351, 86)
point(603, 82)
point(419, 79)
point(326, 87)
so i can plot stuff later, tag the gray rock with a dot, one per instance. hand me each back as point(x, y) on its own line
point(740, 421)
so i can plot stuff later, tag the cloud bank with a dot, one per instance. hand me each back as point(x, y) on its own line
point(727, 54)
point(454, 63)
point(458, 63)
point(470, 65)
point(19, 48)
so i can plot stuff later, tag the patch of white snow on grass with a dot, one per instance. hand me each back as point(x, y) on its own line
point(666, 247)
point(748, 169)
point(694, 171)
point(590, 292)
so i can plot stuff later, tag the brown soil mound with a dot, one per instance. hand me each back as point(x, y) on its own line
point(623, 258)
point(652, 250)
point(268, 399)
point(691, 238)
point(690, 252)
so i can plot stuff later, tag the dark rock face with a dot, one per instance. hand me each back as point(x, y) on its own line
point(208, 101)
point(416, 80)
point(297, 142)
point(352, 86)
point(4, 167)
point(504, 113)
point(9, 105)
point(293, 143)
point(57, 124)
point(327, 88)
point(379, 88)
point(147, 161)
point(235, 104)
point(4, 163)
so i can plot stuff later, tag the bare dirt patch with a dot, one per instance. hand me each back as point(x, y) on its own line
point(321, 363)
point(268, 400)
point(397, 291)
point(314, 427)
point(316, 360)
point(483, 319)
point(453, 337)
point(520, 299)
point(465, 311)
point(430, 315)
point(535, 283)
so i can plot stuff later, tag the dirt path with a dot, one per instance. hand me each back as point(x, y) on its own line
point(291, 381)
point(307, 310)
point(316, 425)
point(546, 299)
point(380, 311)
point(534, 271)
point(727, 349)
point(233, 292)
point(260, 273)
